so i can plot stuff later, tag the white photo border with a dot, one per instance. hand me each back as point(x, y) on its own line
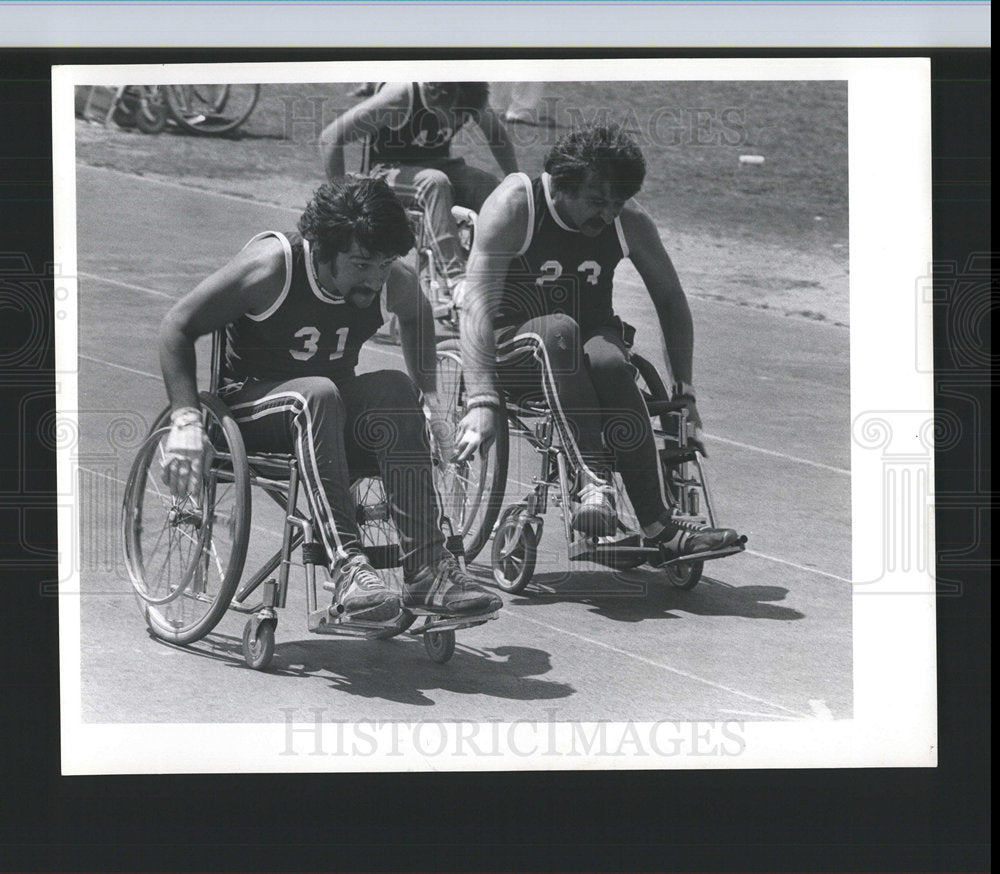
point(894, 722)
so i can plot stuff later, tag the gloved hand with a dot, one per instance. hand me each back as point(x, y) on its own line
point(186, 451)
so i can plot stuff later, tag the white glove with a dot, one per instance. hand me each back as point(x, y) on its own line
point(185, 452)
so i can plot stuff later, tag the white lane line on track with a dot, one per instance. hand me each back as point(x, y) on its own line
point(179, 186)
point(782, 455)
point(129, 285)
point(685, 674)
point(800, 567)
point(118, 366)
point(382, 349)
point(166, 183)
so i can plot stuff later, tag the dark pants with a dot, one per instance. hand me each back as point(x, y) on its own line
point(359, 426)
point(589, 380)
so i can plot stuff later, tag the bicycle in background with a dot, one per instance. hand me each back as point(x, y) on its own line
point(200, 109)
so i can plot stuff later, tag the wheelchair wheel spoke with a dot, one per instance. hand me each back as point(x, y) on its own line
point(184, 556)
point(378, 532)
point(472, 491)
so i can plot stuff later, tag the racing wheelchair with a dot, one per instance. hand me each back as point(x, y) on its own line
point(185, 556)
point(433, 283)
point(476, 488)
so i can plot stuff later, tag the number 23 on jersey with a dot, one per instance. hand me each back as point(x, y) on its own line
point(552, 270)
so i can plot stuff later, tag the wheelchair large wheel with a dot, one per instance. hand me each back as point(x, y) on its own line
point(685, 574)
point(472, 491)
point(648, 379)
point(185, 555)
point(431, 273)
point(380, 541)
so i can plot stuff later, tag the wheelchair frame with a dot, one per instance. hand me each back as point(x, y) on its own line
point(425, 263)
point(517, 532)
point(193, 521)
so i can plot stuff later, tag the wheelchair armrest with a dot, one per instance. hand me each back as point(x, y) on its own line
point(660, 408)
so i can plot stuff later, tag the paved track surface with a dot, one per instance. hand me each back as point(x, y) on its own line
point(766, 635)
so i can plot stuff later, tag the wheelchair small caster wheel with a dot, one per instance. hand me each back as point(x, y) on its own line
point(258, 650)
point(515, 548)
point(440, 645)
point(684, 574)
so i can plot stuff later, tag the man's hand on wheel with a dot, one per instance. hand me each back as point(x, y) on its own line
point(186, 450)
point(476, 432)
point(696, 435)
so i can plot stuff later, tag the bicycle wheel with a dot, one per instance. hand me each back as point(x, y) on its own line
point(213, 96)
point(146, 107)
point(211, 109)
point(472, 491)
point(185, 555)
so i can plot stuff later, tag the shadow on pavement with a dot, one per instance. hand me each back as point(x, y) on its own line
point(398, 669)
point(646, 595)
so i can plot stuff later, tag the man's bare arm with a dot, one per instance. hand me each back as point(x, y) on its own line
point(657, 271)
point(385, 109)
point(500, 233)
point(416, 326)
point(250, 282)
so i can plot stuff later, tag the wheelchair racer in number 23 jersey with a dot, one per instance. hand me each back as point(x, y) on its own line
point(540, 282)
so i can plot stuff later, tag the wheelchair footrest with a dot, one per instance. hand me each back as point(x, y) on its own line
point(323, 622)
point(704, 556)
point(437, 622)
point(620, 555)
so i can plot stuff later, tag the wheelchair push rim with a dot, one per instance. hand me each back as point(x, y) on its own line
point(473, 491)
point(184, 556)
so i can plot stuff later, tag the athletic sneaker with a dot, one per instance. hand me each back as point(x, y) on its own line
point(445, 588)
point(595, 516)
point(682, 537)
point(365, 594)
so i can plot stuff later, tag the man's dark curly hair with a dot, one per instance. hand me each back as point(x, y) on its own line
point(356, 208)
point(606, 151)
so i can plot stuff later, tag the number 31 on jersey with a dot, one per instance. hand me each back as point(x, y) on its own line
point(310, 344)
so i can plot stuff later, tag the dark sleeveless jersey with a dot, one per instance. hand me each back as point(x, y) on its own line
point(420, 135)
point(560, 270)
point(304, 332)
